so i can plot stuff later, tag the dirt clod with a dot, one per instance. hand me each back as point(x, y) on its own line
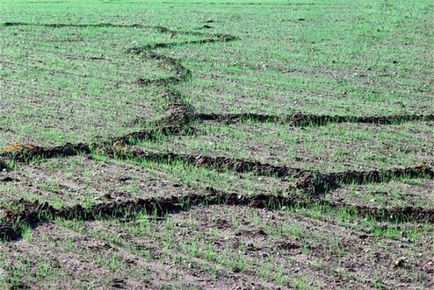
point(400, 262)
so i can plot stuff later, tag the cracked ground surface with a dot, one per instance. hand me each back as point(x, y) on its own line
point(216, 145)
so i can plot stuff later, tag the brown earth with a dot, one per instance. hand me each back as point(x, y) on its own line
point(80, 222)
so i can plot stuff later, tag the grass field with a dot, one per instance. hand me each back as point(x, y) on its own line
point(214, 144)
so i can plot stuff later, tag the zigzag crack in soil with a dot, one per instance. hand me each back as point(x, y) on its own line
point(218, 163)
point(159, 28)
point(32, 213)
point(25, 154)
point(180, 115)
point(181, 72)
point(322, 183)
point(313, 182)
point(302, 120)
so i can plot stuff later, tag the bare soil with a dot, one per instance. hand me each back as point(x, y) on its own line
point(211, 247)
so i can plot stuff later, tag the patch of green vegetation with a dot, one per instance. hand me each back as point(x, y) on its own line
point(177, 239)
point(70, 84)
point(403, 192)
point(330, 57)
point(334, 147)
point(190, 250)
point(79, 84)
